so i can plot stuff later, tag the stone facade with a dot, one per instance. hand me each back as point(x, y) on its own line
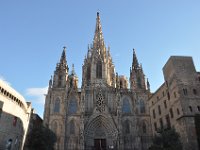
point(107, 114)
point(14, 117)
point(104, 113)
point(177, 101)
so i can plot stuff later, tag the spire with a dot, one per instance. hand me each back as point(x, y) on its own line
point(98, 36)
point(63, 62)
point(148, 85)
point(73, 70)
point(135, 63)
point(73, 79)
point(63, 56)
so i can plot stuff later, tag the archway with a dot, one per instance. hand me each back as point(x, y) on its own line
point(100, 133)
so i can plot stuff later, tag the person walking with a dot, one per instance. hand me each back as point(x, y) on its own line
point(9, 144)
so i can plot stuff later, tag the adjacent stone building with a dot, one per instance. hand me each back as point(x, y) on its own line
point(177, 101)
point(14, 117)
point(104, 113)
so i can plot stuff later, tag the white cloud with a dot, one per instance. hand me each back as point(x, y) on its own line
point(37, 95)
point(3, 79)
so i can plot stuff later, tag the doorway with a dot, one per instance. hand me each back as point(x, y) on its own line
point(99, 144)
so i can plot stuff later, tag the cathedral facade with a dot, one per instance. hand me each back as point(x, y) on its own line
point(104, 113)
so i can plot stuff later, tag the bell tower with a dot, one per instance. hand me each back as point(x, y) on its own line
point(137, 77)
point(55, 101)
point(98, 66)
point(61, 72)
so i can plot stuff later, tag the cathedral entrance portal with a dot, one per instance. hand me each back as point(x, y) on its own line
point(100, 144)
point(100, 133)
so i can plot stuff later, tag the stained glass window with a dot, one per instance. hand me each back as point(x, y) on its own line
point(126, 106)
point(142, 107)
point(99, 70)
point(57, 105)
point(72, 106)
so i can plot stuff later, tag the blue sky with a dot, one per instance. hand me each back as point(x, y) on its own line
point(33, 33)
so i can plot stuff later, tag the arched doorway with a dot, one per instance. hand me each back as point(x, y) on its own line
point(100, 133)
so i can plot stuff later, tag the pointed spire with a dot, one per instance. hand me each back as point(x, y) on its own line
point(135, 63)
point(73, 70)
point(63, 62)
point(63, 56)
point(98, 36)
point(148, 85)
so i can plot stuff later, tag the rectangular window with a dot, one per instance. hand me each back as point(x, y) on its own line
point(163, 93)
point(154, 114)
point(168, 95)
point(15, 121)
point(155, 126)
point(168, 121)
point(194, 91)
point(159, 110)
point(161, 123)
point(178, 112)
point(157, 97)
point(165, 104)
point(171, 113)
point(174, 94)
point(185, 91)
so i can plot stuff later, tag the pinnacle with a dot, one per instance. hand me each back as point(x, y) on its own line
point(135, 63)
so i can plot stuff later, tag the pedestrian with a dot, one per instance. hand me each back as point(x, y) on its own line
point(9, 144)
point(16, 143)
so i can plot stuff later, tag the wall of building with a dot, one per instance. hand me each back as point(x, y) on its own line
point(177, 101)
point(14, 117)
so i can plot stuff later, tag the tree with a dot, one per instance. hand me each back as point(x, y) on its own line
point(167, 139)
point(41, 138)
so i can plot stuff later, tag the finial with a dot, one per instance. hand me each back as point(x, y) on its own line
point(64, 48)
point(98, 13)
point(73, 70)
point(50, 82)
point(135, 63)
point(134, 50)
point(148, 85)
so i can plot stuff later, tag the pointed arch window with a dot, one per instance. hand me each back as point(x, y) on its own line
point(99, 70)
point(142, 107)
point(72, 106)
point(57, 106)
point(139, 82)
point(126, 108)
point(72, 127)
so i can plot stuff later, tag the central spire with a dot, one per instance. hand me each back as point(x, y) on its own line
point(135, 64)
point(98, 40)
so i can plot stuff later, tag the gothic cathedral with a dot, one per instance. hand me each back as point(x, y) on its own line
point(104, 113)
